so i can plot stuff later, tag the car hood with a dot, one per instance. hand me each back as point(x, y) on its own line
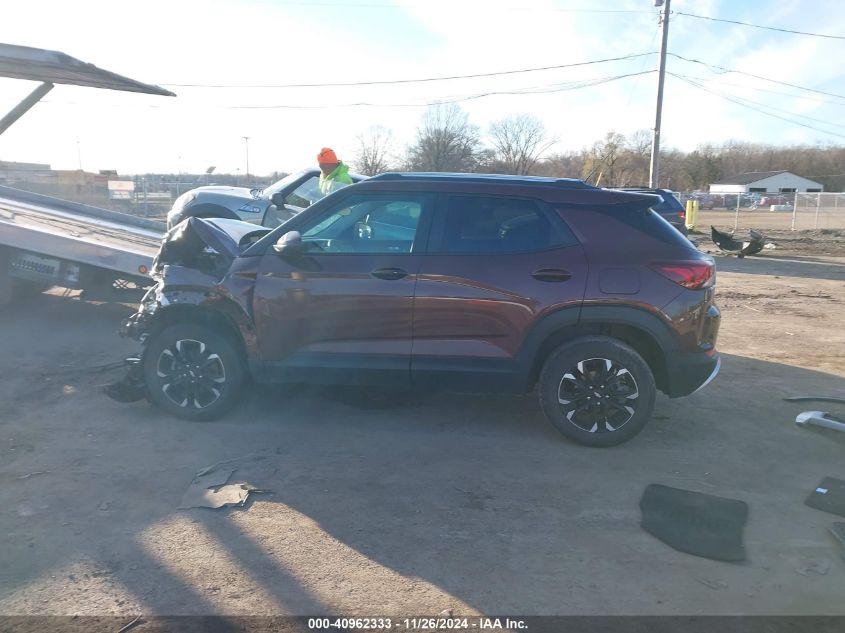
point(238, 192)
point(208, 245)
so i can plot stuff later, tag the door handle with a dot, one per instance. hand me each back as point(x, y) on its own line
point(391, 274)
point(551, 274)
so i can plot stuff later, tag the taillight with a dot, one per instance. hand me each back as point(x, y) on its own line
point(694, 275)
point(682, 214)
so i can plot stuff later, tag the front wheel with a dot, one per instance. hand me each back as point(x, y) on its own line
point(597, 391)
point(193, 371)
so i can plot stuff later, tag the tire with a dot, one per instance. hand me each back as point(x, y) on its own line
point(24, 289)
point(621, 392)
point(193, 371)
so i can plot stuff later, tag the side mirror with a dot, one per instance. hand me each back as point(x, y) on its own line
point(289, 244)
point(278, 199)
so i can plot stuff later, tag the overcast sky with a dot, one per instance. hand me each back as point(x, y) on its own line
point(271, 42)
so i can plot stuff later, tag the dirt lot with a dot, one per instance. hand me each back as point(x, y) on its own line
point(411, 504)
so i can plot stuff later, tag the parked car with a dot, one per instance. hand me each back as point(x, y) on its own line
point(268, 207)
point(707, 202)
point(452, 281)
point(670, 208)
point(767, 201)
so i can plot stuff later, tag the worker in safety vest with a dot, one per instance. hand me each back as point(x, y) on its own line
point(335, 174)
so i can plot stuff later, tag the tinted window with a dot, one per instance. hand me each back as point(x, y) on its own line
point(366, 224)
point(487, 224)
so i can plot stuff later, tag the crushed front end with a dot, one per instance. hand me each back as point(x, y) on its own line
point(193, 259)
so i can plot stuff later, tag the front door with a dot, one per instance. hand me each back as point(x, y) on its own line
point(341, 311)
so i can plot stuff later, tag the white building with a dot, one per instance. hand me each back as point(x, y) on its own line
point(766, 182)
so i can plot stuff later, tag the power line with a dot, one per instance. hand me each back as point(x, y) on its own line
point(586, 83)
point(549, 88)
point(368, 5)
point(763, 105)
point(759, 26)
point(746, 104)
point(774, 92)
point(740, 72)
point(421, 80)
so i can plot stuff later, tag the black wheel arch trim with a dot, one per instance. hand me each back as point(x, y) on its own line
point(571, 322)
point(225, 315)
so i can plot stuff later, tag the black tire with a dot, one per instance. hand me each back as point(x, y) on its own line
point(193, 371)
point(24, 288)
point(607, 406)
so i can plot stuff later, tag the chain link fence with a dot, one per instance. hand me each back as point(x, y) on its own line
point(772, 211)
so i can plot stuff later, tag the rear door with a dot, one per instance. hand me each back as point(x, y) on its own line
point(495, 266)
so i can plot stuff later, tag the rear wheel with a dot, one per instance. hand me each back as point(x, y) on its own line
point(193, 371)
point(597, 391)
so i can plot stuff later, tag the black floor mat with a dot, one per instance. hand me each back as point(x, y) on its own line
point(829, 496)
point(694, 522)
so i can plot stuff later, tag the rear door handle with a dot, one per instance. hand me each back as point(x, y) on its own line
point(391, 274)
point(551, 274)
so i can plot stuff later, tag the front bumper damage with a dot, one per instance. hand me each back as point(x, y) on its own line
point(132, 388)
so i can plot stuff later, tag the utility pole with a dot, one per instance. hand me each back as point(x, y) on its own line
point(246, 140)
point(654, 173)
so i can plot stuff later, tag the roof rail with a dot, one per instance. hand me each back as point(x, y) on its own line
point(564, 183)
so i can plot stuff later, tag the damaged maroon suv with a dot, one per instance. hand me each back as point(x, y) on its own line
point(452, 281)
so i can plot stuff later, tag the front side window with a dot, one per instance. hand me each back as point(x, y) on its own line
point(305, 194)
point(366, 224)
point(493, 225)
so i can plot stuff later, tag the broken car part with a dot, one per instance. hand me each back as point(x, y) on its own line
point(753, 244)
point(820, 418)
point(828, 496)
point(694, 522)
point(815, 399)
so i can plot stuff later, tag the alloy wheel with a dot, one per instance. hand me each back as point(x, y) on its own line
point(190, 374)
point(598, 395)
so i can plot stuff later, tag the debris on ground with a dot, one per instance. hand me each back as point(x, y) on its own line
point(829, 496)
point(130, 625)
point(751, 245)
point(814, 567)
point(815, 399)
point(125, 391)
point(38, 472)
point(696, 523)
point(211, 490)
point(713, 584)
point(820, 418)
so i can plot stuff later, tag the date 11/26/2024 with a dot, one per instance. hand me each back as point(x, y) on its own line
point(418, 624)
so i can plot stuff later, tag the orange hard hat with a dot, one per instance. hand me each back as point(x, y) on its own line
point(327, 156)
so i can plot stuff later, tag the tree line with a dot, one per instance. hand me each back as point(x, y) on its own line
point(446, 140)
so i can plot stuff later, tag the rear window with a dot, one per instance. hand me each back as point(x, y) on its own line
point(496, 225)
point(644, 220)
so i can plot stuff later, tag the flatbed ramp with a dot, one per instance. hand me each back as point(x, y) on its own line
point(72, 232)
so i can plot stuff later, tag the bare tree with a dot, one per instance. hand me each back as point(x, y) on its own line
point(603, 159)
point(519, 140)
point(446, 141)
point(373, 153)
